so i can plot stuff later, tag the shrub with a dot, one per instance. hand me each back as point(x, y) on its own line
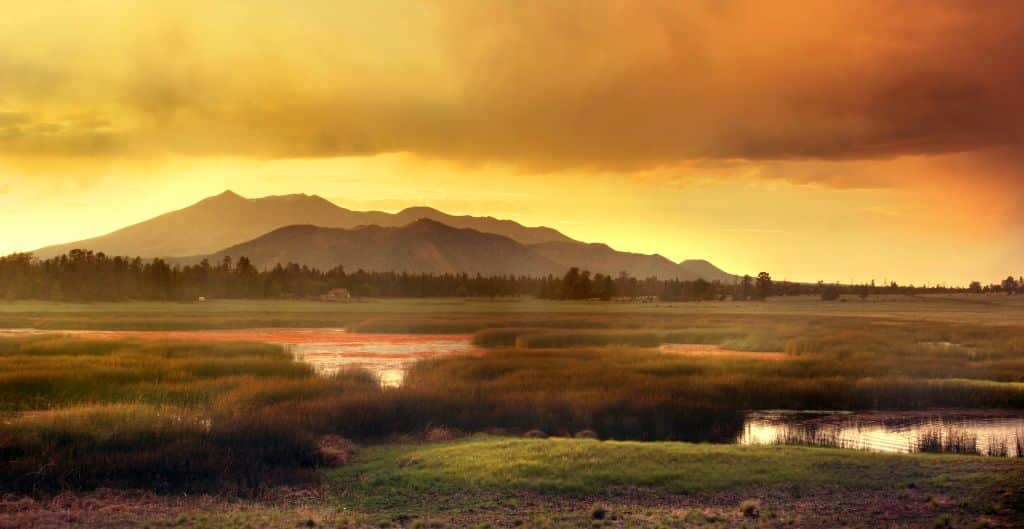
point(434, 435)
point(750, 508)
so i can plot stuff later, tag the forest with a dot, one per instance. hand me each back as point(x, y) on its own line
point(83, 275)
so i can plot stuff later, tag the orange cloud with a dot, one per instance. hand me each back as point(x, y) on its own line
point(909, 94)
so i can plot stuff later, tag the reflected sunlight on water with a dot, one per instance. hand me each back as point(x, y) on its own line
point(992, 432)
point(328, 350)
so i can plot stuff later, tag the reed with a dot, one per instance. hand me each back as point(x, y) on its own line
point(242, 409)
point(951, 440)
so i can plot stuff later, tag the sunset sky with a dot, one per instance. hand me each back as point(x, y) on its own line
point(867, 140)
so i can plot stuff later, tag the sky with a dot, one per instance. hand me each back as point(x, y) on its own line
point(872, 140)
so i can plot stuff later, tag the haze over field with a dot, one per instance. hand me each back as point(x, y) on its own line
point(843, 142)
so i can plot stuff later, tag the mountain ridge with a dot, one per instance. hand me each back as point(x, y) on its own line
point(227, 221)
point(423, 246)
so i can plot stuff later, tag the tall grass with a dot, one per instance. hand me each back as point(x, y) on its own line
point(147, 446)
point(165, 416)
point(951, 440)
point(177, 415)
point(44, 372)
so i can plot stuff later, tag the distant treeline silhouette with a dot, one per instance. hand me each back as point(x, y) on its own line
point(83, 275)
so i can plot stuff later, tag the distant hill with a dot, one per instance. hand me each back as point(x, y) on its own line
point(305, 229)
point(229, 219)
point(423, 246)
point(428, 246)
point(601, 258)
point(708, 271)
point(509, 228)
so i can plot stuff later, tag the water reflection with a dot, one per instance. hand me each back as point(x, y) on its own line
point(963, 431)
point(389, 356)
point(328, 350)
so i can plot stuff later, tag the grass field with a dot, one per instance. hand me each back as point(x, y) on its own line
point(972, 308)
point(243, 421)
point(498, 482)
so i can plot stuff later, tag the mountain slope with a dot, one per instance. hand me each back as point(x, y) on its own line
point(424, 246)
point(600, 258)
point(209, 225)
point(229, 219)
point(511, 229)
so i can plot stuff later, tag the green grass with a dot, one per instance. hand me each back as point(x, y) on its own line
point(968, 308)
point(402, 475)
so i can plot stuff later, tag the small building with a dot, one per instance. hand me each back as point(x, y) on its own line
point(336, 294)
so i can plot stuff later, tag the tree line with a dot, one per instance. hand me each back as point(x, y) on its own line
point(83, 275)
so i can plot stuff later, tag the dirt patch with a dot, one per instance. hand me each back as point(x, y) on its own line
point(632, 507)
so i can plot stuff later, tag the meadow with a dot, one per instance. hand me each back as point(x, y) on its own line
point(241, 420)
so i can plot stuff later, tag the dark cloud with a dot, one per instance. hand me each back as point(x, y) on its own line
point(579, 83)
point(626, 84)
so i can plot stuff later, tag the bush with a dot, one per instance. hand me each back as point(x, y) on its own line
point(750, 508)
point(434, 435)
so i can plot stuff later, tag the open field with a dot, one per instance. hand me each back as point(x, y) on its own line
point(267, 439)
point(975, 308)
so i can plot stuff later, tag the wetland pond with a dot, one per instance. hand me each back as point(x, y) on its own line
point(986, 432)
point(387, 356)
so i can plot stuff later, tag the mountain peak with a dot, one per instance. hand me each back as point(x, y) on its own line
point(705, 269)
point(423, 211)
point(428, 223)
point(228, 194)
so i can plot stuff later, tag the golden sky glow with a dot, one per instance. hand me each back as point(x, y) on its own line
point(876, 139)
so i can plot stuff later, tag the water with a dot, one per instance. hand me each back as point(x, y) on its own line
point(988, 432)
point(388, 356)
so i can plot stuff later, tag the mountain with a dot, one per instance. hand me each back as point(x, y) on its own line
point(423, 246)
point(229, 219)
point(708, 271)
point(229, 224)
point(600, 258)
point(509, 228)
point(428, 246)
point(210, 225)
